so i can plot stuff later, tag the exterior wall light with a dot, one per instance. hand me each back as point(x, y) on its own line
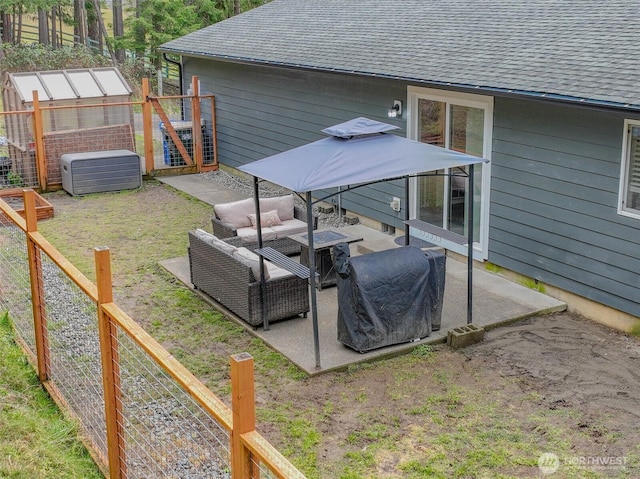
point(396, 110)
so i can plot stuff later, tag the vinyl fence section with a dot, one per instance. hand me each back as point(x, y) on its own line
point(141, 413)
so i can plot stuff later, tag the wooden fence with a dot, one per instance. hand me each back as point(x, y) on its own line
point(154, 128)
point(142, 413)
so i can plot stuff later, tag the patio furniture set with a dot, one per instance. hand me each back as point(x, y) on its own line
point(225, 265)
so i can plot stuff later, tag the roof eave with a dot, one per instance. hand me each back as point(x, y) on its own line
point(496, 91)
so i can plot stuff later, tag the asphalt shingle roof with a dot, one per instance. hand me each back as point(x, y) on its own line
point(580, 50)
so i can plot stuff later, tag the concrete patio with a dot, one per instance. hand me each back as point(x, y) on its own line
point(496, 300)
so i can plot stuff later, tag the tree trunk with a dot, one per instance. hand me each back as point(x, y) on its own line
point(18, 36)
point(60, 25)
point(54, 31)
point(118, 28)
point(139, 33)
point(103, 29)
point(43, 27)
point(79, 32)
point(7, 28)
point(236, 7)
point(93, 24)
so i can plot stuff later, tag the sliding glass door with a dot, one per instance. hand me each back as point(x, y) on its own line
point(461, 123)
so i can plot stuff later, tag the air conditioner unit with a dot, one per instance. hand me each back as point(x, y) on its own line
point(100, 171)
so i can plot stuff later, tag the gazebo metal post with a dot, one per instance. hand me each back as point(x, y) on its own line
point(406, 210)
point(263, 281)
point(470, 248)
point(312, 280)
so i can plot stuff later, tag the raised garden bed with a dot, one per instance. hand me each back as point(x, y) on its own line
point(14, 198)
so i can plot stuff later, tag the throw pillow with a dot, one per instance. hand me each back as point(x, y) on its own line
point(267, 220)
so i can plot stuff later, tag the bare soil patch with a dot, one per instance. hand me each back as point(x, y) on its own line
point(561, 377)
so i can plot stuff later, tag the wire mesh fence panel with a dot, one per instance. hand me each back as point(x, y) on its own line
point(83, 129)
point(167, 433)
point(260, 471)
point(15, 289)
point(207, 113)
point(74, 350)
point(17, 150)
point(166, 150)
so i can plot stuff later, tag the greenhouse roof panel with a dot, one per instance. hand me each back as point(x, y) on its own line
point(70, 84)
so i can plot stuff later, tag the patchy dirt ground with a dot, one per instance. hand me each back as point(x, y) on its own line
point(573, 362)
point(573, 383)
point(588, 370)
point(556, 384)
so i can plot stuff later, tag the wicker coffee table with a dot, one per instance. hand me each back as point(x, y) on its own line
point(323, 241)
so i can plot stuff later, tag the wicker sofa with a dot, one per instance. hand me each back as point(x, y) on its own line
point(229, 273)
point(238, 219)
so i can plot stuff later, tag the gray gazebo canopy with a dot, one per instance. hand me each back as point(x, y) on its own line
point(357, 152)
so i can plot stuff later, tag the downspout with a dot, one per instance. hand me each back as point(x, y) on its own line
point(179, 65)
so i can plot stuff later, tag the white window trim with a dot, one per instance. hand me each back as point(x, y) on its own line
point(624, 171)
point(481, 248)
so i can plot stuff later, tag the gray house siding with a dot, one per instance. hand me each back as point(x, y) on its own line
point(555, 180)
point(555, 169)
point(263, 111)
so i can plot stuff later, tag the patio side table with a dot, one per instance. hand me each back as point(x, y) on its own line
point(323, 241)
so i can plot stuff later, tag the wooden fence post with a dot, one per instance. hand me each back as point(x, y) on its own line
point(147, 128)
point(244, 413)
point(37, 288)
point(196, 124)
point(110, 368)
point(214, 132)
point(38, 134)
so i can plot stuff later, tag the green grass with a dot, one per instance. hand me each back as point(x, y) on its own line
point(532, 284)
point(493, 268)
point(36, 441)
point(302, 435)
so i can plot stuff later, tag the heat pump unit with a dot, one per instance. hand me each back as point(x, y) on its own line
point(100, 171)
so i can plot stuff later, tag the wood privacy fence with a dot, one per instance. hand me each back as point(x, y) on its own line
point(32, 141)
point(142, 414)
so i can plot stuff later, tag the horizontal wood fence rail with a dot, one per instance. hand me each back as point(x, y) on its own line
point(131, 372)
point(90, 105)
point(65, 265)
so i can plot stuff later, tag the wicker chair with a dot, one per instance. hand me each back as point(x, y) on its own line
point(232, 284)
point(283, 245)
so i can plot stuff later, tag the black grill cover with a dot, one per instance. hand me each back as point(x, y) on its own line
point(388, 297)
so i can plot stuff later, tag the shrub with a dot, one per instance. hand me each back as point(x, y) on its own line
point(38, 57)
